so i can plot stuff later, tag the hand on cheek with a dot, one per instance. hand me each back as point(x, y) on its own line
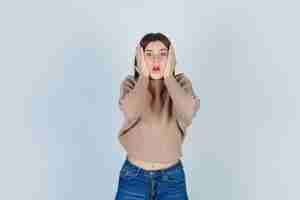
point(142, 67)
point(171, 62)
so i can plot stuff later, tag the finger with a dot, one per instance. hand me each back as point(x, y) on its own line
point(170, 54)
point(138, 56)
point(142, 53)
point(143, 63)
point(129, 85)
point(173, 64)
point(181, 81)
point(180, 78)
point(138, 69)
point(172, 49)
point(126, 90)
point(128, 81)
point(132, 83)
point(136, 50)
point(168, 64)
point(126, 86)
point(179, 75)
point(129, 78)
point(167, 67)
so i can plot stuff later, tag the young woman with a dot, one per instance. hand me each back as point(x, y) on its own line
point(158, 106)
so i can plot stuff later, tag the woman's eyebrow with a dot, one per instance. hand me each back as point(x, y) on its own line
point(164, 49)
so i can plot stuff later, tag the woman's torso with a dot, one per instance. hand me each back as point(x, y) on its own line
point(156, 136)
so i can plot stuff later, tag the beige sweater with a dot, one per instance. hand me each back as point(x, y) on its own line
point(156, 135)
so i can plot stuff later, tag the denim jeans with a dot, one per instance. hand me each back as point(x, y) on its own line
point(136, 183)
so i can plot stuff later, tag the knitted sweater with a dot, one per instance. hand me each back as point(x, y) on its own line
point(156, 135)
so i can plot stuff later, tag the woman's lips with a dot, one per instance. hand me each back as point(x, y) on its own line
point(156, 69)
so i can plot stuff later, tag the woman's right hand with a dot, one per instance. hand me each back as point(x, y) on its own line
point(141, 64)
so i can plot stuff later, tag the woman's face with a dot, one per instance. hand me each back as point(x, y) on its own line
point(156, 54)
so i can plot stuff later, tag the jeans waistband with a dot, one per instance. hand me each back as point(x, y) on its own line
point(178, 165)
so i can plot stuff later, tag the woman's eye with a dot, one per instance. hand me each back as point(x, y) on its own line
point(163, 54)
point(148, 54)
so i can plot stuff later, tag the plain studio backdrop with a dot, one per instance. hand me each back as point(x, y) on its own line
point(61, 67)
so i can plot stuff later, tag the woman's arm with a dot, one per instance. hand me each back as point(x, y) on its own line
point(132, 99)
point(185, 102)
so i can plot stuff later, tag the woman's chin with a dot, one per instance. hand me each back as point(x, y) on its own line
point(156, 76)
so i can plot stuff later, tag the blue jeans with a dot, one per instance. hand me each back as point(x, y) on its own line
point(136, 183)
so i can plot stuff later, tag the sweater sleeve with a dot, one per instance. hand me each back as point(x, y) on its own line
point(186, 102)
point(132, 102)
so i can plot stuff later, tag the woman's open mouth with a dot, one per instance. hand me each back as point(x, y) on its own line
point(156, 69)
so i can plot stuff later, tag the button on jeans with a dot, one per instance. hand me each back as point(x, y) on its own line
point(136, 183)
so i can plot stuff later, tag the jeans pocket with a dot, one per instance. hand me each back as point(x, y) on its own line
point(175, 176)
point(128, 173)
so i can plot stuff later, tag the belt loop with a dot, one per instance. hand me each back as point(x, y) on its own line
point(138, 171)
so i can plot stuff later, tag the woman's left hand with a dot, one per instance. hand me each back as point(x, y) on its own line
point(171, 62)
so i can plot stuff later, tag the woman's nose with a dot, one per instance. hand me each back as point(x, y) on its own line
point(156, 58)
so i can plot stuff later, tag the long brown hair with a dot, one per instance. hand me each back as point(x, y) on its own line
point(146, 39)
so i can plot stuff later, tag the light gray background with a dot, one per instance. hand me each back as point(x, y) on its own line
point(61, 66)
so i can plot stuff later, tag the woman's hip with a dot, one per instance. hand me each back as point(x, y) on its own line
point(138, 183)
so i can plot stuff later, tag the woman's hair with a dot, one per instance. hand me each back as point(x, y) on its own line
point(146, 39)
